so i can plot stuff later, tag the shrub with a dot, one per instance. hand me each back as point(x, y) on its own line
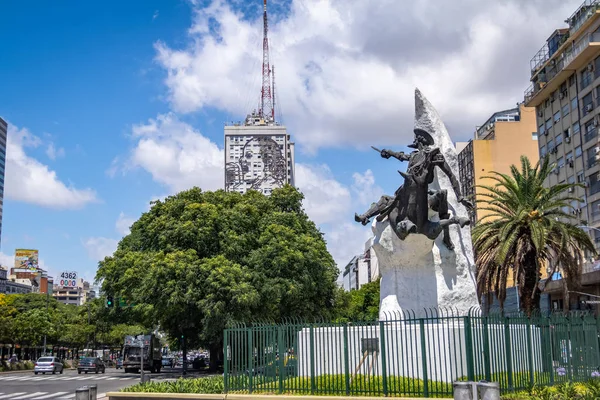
point(208, 385)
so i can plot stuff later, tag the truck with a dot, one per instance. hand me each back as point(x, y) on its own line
point(132, 353)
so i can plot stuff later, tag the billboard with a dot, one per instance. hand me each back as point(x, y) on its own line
point(67, 279)
point(26, 259)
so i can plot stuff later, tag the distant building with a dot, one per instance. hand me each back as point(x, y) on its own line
point(3, 279)
point(259, 155)
point(78, 295)
point(497, 144)
point(361, 269)
point(3, 133)
point(15, 285)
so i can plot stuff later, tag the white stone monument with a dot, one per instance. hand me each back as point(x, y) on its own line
point(418, 273)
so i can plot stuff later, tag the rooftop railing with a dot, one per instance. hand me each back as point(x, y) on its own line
point(559, 64)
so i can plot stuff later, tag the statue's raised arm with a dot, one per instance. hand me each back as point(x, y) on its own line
point(443, 165)
point(399, 155)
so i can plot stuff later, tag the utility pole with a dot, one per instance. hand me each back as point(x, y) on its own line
point(141, 337)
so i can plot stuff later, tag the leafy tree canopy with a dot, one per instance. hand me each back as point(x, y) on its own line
point(198, 260)
point(529, 226)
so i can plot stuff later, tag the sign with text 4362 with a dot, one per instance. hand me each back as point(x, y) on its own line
point(68, 279)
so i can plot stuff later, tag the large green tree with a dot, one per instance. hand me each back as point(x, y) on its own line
point(529, 226)
point(199, 260)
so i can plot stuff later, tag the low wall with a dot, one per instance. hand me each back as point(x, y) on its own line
point(436, 351)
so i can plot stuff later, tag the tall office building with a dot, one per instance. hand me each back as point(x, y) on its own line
point(259, 154)
point(565, 90)
point(497, 144)
point(3, 132)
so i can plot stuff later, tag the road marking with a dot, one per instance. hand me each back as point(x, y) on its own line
point(28, 395)
point(6, 396)
point(111, 379)
point(124, 379)
point(101, 396)
point(99, 378)
point(67, 397)
point(49, 395)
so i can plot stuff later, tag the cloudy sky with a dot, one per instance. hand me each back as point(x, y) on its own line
point(111, 106)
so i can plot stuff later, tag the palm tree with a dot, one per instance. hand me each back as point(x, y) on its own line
point(526, 228)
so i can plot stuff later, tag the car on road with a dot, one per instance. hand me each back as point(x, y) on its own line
point(48, 364)
point(91, 364)
point(119, 364)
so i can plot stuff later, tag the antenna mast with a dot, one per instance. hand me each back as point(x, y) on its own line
point(273, 86)
point(266, 100)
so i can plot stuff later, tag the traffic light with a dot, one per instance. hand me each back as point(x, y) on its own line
point(109, 302)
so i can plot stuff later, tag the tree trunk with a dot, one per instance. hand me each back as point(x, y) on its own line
point(216, 356)
point(529, 293)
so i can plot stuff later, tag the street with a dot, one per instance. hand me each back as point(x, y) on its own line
point(21, 386)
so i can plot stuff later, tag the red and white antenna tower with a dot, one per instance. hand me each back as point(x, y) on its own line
point(266, 99)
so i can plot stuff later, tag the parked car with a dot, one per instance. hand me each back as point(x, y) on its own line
point(91, 364)
point(48, 364)
point(119, 364)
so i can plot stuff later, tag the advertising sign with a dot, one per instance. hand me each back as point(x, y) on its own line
point(68, 279)
point(26, 259)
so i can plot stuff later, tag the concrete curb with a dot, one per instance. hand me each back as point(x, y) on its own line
point(176, 396)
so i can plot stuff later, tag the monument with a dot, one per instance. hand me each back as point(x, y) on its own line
point(422, 233)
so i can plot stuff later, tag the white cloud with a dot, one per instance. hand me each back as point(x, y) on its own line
point(332, 205)
point(177, 155)
point(30, 181)
point(53, 153)
point(7, 260)
point(346, 70)
point(325, 198)
point(100, 247)
point(123, 224)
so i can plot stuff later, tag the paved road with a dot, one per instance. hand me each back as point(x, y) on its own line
point(27, 386)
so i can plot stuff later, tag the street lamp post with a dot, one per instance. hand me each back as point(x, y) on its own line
point(47, 296)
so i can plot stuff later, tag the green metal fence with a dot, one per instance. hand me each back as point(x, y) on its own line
point(407, 355)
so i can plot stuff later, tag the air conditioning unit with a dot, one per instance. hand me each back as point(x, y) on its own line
point(555, 149)
point(540, 113)
point(571, 163)
point(568, 139)
point(590, 67)
point(586, 184)
point(571, 189)
point(557, 171)
point(546, 133)
point(562, 95)
point(589, 107)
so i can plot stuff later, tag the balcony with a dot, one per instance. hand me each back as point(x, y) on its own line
point(591, 162)
point(558, 69)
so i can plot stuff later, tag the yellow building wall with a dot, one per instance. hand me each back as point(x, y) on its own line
point(512, 140)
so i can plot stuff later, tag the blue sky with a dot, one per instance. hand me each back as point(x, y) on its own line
point(114, 104)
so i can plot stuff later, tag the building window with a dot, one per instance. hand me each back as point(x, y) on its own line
point(560, 162)
point(565, 110)
point(591, 157)
point(567, 135)
point(542, 129)
point(574, 103)
point(556, 117)
point(559, 139)
point(575, 128)
point(580, 177)
point(594, 184)
point(572, 80)
point(543, 151)
point(588, 104)
point(586, 78)
point(578, 152)
point(590, 132)
point(548, 123)
point(569, 157)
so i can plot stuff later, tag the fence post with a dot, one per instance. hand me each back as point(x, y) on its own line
point(486, 350)
point(424, 358)
point(530, 353)
point(250, 360)
point(312, 360)
point(469, 348)
point(508, 352)
point(225, 363)
point(383, 358)
point(280, 362)
point(346, 360)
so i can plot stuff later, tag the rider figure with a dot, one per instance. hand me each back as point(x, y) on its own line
point(421, 166)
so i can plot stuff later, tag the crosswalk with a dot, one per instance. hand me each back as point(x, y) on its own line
point(29, 378)
point(41, 396)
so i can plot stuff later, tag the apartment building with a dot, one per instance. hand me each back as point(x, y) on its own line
point(565, 91)
point(361, 269)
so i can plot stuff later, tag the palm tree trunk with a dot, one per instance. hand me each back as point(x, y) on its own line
point(529, 293)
